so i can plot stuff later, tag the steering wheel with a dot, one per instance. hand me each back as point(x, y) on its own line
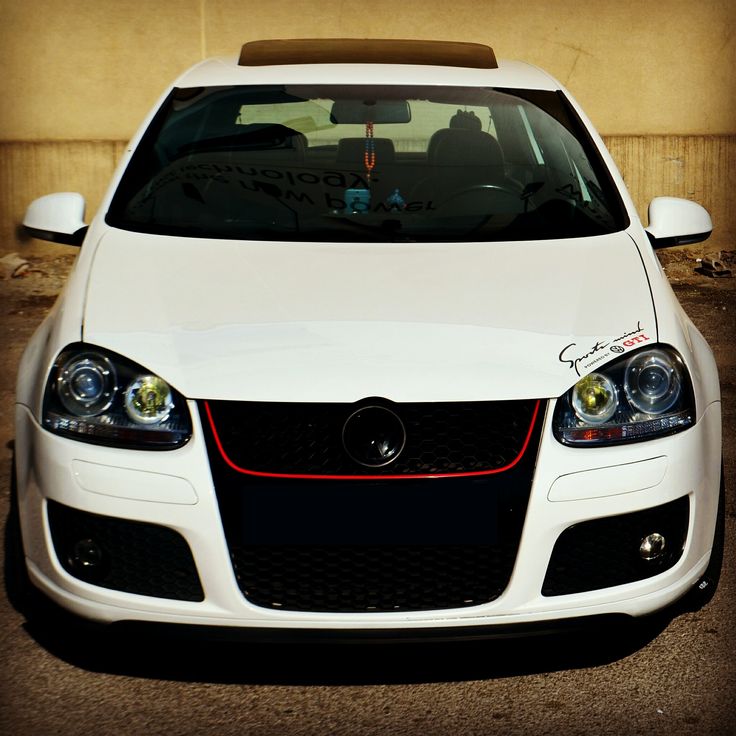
point(483, 214)
point(482, 188)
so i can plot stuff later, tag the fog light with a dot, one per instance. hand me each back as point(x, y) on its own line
point(652, 547)
point(86, 558)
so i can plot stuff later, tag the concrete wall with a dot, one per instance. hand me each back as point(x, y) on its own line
point(656, 78)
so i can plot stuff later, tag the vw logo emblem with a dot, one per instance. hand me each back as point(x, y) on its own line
point(373, 436)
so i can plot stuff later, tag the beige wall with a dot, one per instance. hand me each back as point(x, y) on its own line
point(656, 78)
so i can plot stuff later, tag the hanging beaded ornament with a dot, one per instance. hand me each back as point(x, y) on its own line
point(369, 157)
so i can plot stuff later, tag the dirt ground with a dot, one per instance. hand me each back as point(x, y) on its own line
point(678, 677)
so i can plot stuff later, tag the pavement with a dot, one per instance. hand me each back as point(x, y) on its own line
point(676, 674)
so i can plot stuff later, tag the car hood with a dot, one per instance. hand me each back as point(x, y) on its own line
point(272, 321)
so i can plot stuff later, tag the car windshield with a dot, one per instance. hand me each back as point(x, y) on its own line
point(367, 163)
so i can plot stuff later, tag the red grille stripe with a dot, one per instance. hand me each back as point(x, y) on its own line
point(301, 476)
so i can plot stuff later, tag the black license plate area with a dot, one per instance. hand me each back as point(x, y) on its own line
point(426, 512)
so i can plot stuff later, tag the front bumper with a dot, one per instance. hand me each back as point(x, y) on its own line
point(175, 490)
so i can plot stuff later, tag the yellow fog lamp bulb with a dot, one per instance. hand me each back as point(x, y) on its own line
point(594, 398)
point(148, 400)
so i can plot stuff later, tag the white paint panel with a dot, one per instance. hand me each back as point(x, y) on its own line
point(135, 485)
point(610, 481)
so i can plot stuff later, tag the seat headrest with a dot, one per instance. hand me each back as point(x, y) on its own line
point(461, 147)
point(466, 120)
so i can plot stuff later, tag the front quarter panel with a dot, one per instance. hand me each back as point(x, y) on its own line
point(675, 328)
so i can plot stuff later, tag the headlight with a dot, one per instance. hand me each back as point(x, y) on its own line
point(594, 398)
point(148, 400)
point(96, 396)
point(652, 382)
point(86, 384)
point(645, 395)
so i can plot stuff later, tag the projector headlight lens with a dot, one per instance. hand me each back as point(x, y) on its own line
point(652, 382)
point(86, 384)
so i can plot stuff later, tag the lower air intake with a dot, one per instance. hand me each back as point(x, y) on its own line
point(605, 552)
point(371, 578)
point(130, 556)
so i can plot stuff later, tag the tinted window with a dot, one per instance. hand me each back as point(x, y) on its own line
point(367, 163)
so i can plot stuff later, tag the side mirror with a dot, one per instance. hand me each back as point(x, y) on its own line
point(674, 221)
point(57, 217)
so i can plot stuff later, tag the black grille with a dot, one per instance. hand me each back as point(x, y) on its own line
point(308, 438)
point(605, 552)
point(130, 556)
point(355, 578)
point(378, 544)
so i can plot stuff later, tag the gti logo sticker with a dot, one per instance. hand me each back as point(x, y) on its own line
point(585, 359)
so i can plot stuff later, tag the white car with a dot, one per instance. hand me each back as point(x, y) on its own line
point(367, 338)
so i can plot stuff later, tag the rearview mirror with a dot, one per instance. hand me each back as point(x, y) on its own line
point(370, 111)
point(57, 217)
point(674, 221)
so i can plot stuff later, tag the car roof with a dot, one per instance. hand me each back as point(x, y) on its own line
point(330, 61)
